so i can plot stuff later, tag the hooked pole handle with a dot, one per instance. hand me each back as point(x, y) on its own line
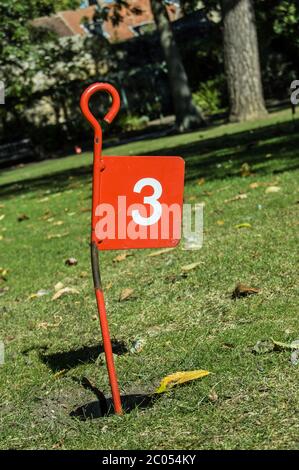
point(84, 105)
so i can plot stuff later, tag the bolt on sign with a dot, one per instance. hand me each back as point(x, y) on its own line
point(136, 203)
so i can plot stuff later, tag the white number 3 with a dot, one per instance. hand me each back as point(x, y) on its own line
point(152, 200)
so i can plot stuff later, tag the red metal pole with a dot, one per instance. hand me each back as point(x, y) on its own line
point(98, 168)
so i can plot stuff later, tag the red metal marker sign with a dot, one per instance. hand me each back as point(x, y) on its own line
point(136, 203)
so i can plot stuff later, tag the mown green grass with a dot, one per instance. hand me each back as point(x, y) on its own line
point(186, 323)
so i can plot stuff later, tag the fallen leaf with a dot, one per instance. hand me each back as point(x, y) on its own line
point(190, 267)
point(201, 181)
point(125, 294)
point(121, 257)
point(243, 225)
point(65, 291)
point(2, 216)
point(241, 290)
point(179, 378)
point(58, 286)
point(238, 197)
point(58, 223)
point(272, 189)
point(220, 222)
point(71, 262)
point(160, 252)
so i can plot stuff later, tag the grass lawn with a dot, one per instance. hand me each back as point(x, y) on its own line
point(249, 401)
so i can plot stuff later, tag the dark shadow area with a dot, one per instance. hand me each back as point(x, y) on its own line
point(96, 409)
point(66, 360)
point(232, 150)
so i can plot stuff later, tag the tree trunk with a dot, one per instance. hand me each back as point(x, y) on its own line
point(188, 116)
point(242, 62)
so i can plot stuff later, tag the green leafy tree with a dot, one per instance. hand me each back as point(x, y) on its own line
point(20, 45)
point(188, 116)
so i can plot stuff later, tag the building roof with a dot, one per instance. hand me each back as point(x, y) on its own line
point(71, 22)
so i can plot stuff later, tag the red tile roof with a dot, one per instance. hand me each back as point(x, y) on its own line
point(70, 22)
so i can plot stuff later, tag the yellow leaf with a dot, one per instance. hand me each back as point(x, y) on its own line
point(179, 378)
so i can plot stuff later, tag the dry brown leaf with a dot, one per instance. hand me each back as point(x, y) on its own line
point(65, 291)
point(126, 294)
point(121, 257)
point(241, 290)
point(160, 252)
point(191, 266)
point(238, 197)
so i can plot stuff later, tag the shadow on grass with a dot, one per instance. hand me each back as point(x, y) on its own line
point(271, 148)
point(98, 409)
point(67, 360)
